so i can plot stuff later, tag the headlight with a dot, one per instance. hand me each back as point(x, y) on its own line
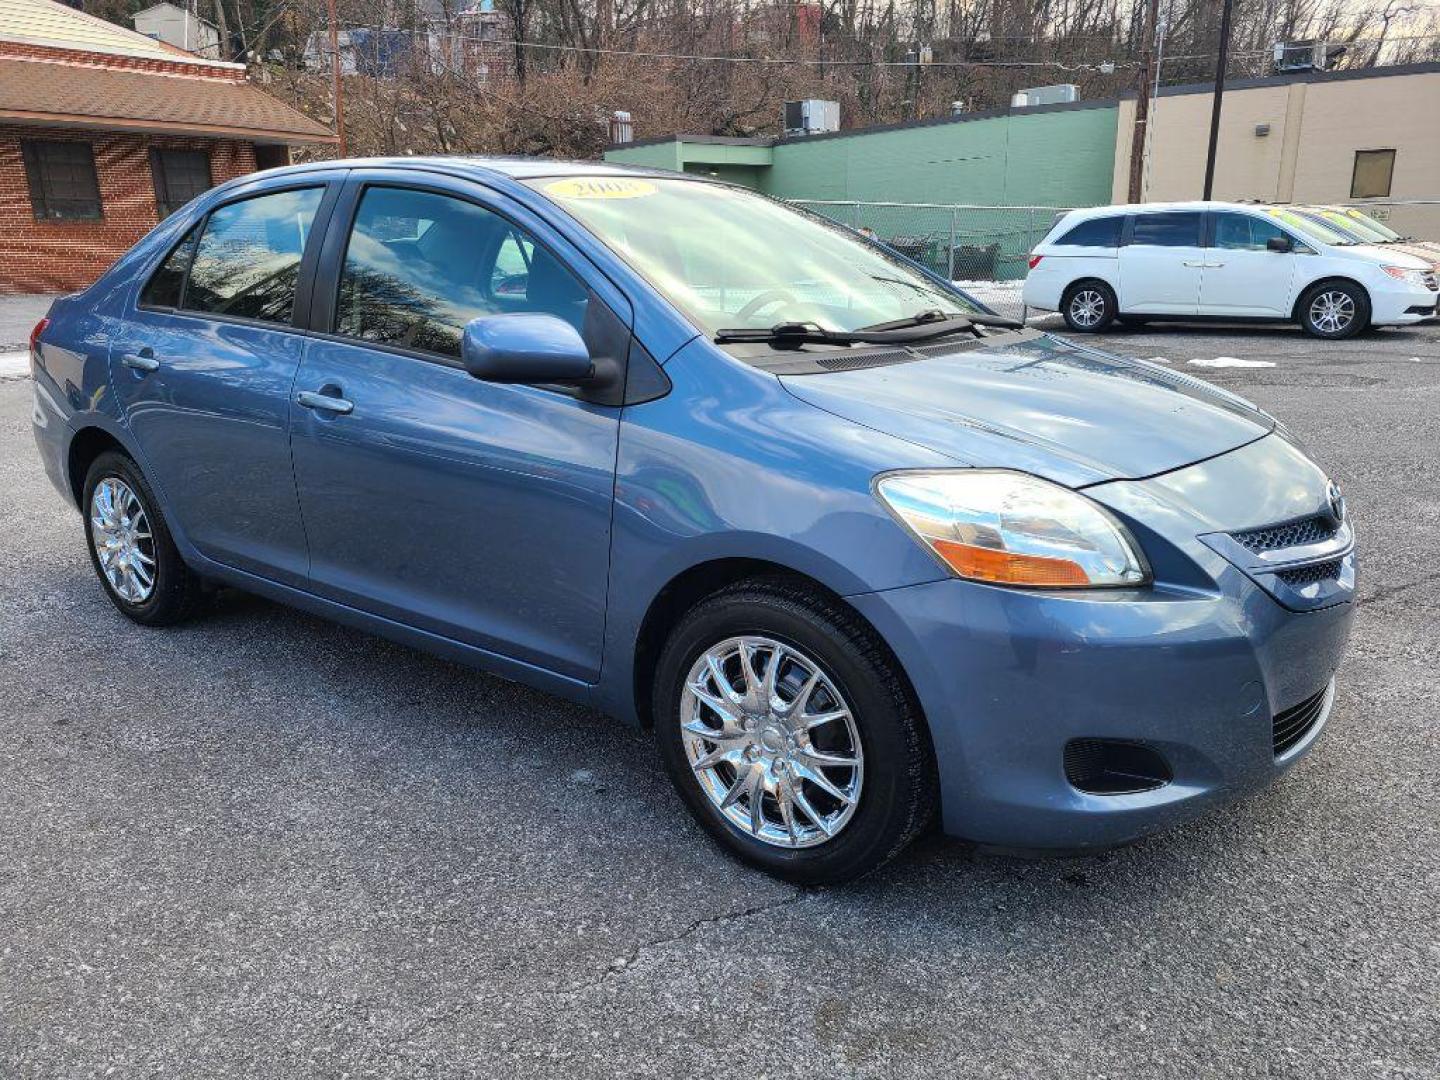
point(1008, 528)
point(1402, 273)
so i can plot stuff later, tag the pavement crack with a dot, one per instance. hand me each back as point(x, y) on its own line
point(630, 959)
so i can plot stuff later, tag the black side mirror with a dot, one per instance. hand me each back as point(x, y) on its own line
point(525, 348)
point(1283, 244)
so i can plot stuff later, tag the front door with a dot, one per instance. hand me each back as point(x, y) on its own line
point(477, 511)
point(1161, 264)
point(203, 369)
point(1243, 277)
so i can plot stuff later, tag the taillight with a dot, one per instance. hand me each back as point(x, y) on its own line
point(40, 328)
point(1035, 261)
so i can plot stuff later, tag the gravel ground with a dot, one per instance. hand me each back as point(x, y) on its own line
point(264, 846)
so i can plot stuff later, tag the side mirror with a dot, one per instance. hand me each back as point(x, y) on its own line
point(1282, 244)
point(525, 348)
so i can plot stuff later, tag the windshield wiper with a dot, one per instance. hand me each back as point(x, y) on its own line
point(925, 318)
point(793, 334)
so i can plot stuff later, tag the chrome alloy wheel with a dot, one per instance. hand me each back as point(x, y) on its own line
point(1332, 311)
point(120, 533)
point(771, 741)
point(1087, 308)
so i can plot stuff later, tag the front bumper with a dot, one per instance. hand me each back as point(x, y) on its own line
point(1207, 667)
point(1397, 304)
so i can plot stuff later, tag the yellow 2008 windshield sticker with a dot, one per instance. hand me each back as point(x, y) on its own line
point(601, 187)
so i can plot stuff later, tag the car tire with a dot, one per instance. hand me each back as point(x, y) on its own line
point(826, 662)
point(1334, 310)
point(1088, 306)
point(131, 548)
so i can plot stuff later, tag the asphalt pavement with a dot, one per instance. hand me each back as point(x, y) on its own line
point(261, 845)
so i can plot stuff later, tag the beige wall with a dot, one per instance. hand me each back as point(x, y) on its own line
point(1315, 129)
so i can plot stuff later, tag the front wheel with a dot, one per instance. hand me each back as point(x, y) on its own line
point(787, 731)
point(1334, 310)
point(1089, 306)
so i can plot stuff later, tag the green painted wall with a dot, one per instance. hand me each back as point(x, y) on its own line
point(1061, 158)
point(1064, 158)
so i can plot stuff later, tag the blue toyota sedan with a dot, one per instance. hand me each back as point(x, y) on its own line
point(863, 554)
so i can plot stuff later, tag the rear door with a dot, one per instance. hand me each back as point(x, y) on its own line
point(1242, 276)
point(203, 369)
point(1162, 262)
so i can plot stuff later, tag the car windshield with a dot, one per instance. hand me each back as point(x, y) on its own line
point(1310, 229)
point(729, 258)
point(1371, 223)
point(1341, 223)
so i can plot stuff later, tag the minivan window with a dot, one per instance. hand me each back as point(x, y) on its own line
point(730, 258)
point(1167, 230)
point(419, 266)
point(1097, 232)
point(248, 261)
point(1241, 232)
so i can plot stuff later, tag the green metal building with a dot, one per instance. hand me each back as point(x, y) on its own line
point(1044, 155)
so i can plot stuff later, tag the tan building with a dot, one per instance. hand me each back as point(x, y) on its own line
point(1320, 137)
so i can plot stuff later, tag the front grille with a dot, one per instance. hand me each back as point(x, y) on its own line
point(1294, 723)
point(1311, 530)
point(1309, 575)
point(1114, 767)
point(1431, 282)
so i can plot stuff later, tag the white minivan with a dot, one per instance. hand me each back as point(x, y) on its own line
point(1214, 260)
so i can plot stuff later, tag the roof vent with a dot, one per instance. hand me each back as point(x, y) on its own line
point(1296, 56)
point(811, 116)
point(1059, 94)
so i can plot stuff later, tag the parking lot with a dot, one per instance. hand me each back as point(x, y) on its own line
point(262, 845)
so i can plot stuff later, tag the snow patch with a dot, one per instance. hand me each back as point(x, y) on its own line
point(15, 363)
point(1230, 361)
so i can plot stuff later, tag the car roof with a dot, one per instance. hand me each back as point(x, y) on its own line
point(514, 168)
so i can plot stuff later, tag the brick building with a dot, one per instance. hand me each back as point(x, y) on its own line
point(103, 131)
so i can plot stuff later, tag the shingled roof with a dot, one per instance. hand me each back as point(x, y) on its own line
point(63, 68)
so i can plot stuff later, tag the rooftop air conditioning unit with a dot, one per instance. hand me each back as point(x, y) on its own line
point(622, 128)
point(811, 116)
point(1059, 94)
point(1295, 56)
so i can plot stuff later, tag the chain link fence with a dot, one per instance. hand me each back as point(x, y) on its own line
point(983, 248)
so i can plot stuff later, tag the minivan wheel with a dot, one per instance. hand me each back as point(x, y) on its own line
point(787, 731)
point(1334, 310)
point(1088, 306)
point(130, 547)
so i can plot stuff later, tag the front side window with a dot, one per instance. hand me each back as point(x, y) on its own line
point(1098, 232)
point(420, 265)
point(1241, 232)
point(729, 258)
point(1167, 230)
point(248, 261)
point(1373, 172)
point(62, 180)
point(179, 176)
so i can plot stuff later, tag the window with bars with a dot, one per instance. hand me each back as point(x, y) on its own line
point(179, 176)
point(62, 179)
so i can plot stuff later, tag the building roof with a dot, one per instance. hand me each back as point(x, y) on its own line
point(44, 22)
point(172, 7)
point(61, 94)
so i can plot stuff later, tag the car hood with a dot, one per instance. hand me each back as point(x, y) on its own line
point(1042, 405)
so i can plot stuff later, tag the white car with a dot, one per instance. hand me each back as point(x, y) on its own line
point(1230, 261)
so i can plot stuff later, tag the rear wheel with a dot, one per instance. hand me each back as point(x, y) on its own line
point(787, 731)
point(130, 547)
point(1088, 306)
point(1334, 310)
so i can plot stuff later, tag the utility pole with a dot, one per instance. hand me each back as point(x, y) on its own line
point(1220, 65)
point(1140, 132)
point(335, 76)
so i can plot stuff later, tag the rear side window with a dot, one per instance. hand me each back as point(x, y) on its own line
point(1097, 232)
point(165, 287)
point(1167, 230)
point(247, 263)
point(1241, 232)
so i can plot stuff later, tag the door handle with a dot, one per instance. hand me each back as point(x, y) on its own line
point(143, 361)
point(1213, 266)
point(1194, 264)
point(324, 402)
